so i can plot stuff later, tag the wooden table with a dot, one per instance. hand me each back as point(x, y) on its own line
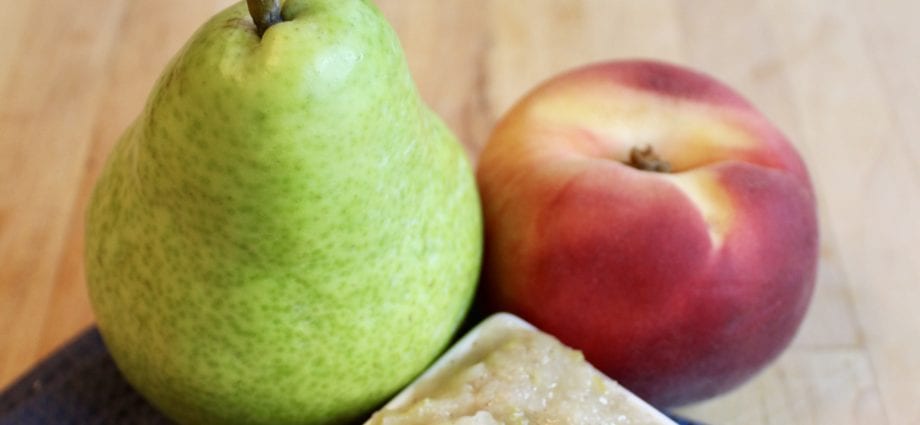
point(840, 77)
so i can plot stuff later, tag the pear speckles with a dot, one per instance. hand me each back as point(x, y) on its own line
point(279, 237)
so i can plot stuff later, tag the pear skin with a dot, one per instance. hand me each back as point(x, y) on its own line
point(286, 234)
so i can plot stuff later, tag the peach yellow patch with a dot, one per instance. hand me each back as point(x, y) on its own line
point(713, 202)
point(686, 133)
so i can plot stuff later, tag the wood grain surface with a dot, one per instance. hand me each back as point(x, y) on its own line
point(840, 77)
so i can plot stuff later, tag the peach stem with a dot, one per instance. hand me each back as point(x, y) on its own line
point(646, 159)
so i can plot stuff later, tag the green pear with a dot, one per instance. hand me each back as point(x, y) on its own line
point(286, 234)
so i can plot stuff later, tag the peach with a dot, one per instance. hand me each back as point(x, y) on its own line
point(649, 216)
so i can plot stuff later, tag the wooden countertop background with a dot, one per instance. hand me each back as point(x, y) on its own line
point(840, 77)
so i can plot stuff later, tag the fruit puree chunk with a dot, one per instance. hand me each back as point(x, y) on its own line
point(506, 372)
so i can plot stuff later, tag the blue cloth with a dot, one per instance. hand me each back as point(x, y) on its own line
point(80, 385)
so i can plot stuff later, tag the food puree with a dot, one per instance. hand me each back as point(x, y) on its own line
point(530, 379)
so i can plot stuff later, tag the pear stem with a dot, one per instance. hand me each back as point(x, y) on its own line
point(646, 159)
point(265, 13)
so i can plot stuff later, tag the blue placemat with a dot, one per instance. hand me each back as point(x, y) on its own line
point(80, 385)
